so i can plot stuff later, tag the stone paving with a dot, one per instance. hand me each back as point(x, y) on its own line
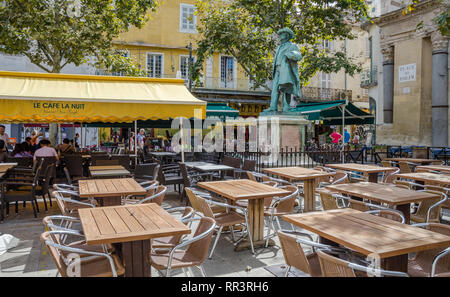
point(30, 257)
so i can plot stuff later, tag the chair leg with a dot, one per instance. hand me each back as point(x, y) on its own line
point(250, 238)
point(215, 241)
point(17, 207)
point(37, 205)
point(287, 271)
point(34, 208)
point(7, 208)
point(268, 231)
point(24, 204)
point(202, 269)
point(232, 233)
point(50, 199)
point(45, 202)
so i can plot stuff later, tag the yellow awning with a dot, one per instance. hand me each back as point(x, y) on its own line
point(43, 97)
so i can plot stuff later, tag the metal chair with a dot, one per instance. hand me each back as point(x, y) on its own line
point(332, 266)
point(94, 264)
point(194, 255)
point(391, 214)
point(431, 262)
point(69, 206)
point(429, 210)
point(234, 215)
point(280, 206)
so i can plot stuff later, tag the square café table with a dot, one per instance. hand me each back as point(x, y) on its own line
point(130, 228)
point(370, 171)
point(387, 240)
point(309, 178)
point(108, 171)
point(427, 178)
point(414, 160)
point(394, 196)
point(441, 168)
point(109, 191)
point(255, 193)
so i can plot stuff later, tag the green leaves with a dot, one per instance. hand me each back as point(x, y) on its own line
point(53, 33)
point(246, 30)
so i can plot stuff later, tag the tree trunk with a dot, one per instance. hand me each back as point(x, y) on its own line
point(53, 133)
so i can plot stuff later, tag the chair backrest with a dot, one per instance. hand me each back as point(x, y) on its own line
point(157, 195)
point(334, 267)
point(230, 161)
point(184, 174)
point(45, 163)
point(96, 156)
point(144, 169)
point(249, 165)
point(293, 252)
point(205, 208)
point(389, 177)
point(21, 161)
point(161, 176)
point(251, 176)
point(106, 162)
point(327, 199)
point(402, 184)
point(123, 160)
point(426, 257)
point(199, 248)
point(358, 205)
point(424, 206)
point(340, 177)
point(386, 163)
point(288, 202)
point(404, 167)
point(193, 199)
point(74, 163)
point(388, 214)
point(58, 257)
point(49, 172)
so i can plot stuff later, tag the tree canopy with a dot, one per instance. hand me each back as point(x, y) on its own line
point(54, 33)
point(246, 30)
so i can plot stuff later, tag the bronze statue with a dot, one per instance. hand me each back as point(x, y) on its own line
point(286, 80)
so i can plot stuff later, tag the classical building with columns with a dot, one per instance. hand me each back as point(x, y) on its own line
point(412, 90)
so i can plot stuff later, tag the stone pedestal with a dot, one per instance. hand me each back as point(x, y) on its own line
point(291, 127)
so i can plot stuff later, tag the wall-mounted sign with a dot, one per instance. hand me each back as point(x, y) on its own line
point(407, 73)
point(406, 90)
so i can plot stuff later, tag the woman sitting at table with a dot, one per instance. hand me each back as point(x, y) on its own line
point(3, 153)
point(65, 147)
point(21, 151)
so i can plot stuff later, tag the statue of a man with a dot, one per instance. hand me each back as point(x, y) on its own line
point(286, 80)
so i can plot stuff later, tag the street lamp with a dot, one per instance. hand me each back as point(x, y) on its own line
point(189, 47)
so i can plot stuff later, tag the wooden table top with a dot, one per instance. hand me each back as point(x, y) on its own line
point(5, 166)
point(213, 167)
point(381, 193)
point(162, 154)
point(360, 167)
point(420, 161)
point(125, 223)
point(106, 167)
point(297, 173)
point(242, 189)
point(441, 168)
point(193, 164)
point(433, 178)
point(368, 233)
point(110, 173)
point(109, 187)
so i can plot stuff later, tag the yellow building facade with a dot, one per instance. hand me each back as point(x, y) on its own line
point(161, 47)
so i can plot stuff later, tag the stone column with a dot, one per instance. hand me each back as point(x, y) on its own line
point(388, 83)
point(439, 91)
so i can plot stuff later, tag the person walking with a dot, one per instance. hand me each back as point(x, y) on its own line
point(346, 137)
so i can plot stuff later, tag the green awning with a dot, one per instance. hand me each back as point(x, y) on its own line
point(330, 113)
point(221, 110)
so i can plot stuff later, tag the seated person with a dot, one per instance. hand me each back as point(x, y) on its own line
point(3, 153)
point(20, 151)
point(45, 150)
point(65, 147)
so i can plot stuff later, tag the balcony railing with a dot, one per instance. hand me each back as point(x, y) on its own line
point(325, 94)
point(369, 78)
